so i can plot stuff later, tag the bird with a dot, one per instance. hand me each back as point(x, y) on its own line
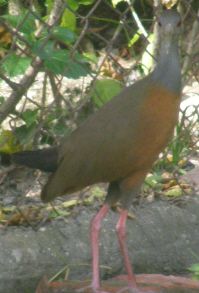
point(118, 144)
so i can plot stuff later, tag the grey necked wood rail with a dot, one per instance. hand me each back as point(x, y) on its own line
point(119, 143)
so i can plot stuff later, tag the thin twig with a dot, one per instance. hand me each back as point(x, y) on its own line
point(83, 32)
point(93, 9)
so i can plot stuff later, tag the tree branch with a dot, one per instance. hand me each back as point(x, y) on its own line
point(26, 81)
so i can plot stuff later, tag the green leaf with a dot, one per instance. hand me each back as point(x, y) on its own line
point(57, 61)
point(153, 180)
point(82, 58)
point(104, 90)
point(195, 271)
point(91, 57)
point(49, 5)
point(15, 65)
point(134, 39)
point(60, 62)
point(8, 142)
point(174, 191)
point(60, 129)
point(68, 68)
point(86, 2)
point(73, 4)
point(64, 34)
point(68, 20)
point(25, 25)
point(46, 52)
point(25, 134)
point(3, 2)
point(29, 116)
point(194, 268)
point(58, 213)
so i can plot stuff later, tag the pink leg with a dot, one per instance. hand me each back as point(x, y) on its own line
point(95, 230)
point(121, 233)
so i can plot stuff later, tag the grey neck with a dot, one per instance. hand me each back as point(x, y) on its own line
point(167, 71)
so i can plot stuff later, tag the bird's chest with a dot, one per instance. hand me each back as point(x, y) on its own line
point(158, 116)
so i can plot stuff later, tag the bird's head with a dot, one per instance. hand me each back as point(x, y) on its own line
point(169, 23)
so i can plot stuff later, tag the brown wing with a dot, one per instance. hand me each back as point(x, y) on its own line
point(109, 145)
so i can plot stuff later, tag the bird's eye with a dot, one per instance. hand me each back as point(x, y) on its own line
point(159, 23)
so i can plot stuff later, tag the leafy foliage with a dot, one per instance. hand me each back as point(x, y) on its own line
point(57, 60)
point(185, 139)
point(3, 2)
point(104, 90)
point(8, 142)
point(15, 64)
point(194, 269)
point(25, 24)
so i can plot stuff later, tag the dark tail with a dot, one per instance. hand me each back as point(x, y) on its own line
point(45, 160)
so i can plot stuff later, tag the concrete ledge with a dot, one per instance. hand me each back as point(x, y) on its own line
point(163, 239)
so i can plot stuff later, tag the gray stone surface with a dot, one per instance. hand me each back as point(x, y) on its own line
point(162, 239)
